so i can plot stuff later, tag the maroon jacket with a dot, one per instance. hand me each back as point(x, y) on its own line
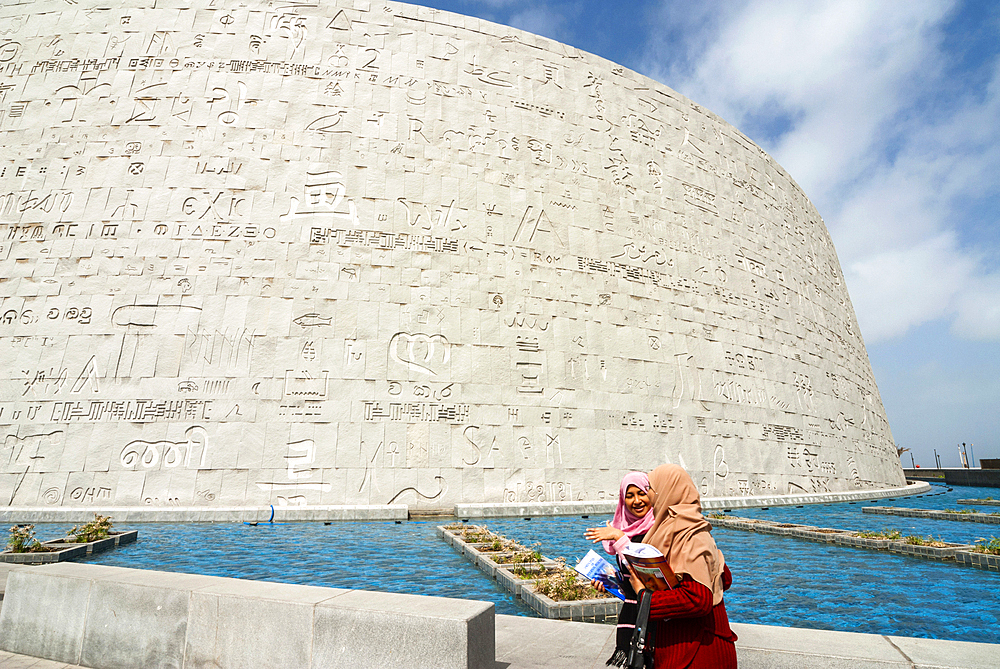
point(690, 633)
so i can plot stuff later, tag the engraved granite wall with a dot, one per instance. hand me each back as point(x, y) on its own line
point(363, 252)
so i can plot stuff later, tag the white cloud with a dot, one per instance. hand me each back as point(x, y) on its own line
point(900, 288)
point(979, 310)
point(855, 88)
point(540, 20)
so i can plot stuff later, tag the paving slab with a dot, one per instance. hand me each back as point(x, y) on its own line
point(539, 643)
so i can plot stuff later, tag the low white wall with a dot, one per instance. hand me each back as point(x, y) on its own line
point(205, 514)
point(110, 617)
point(515, 509)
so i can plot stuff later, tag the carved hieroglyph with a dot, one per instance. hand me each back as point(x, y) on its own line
point(362, 252)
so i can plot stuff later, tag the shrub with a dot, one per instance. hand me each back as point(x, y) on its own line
point(98, 528)
point(894, 535)
point(22, 540)
point(991, 546)
point(520, 555)
point(565, 585)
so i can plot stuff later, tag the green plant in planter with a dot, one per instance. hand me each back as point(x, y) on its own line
point(893, 535)
point(520, 555)
point(22, 540)
point(566, 586)
point(991, 546)
point(96, 529)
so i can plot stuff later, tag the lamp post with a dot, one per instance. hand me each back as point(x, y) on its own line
point(973, 455)
point(937, 459)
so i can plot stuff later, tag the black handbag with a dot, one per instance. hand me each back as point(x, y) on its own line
point(637, 658)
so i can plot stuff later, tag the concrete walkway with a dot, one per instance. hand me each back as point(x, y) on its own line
point(534, 643)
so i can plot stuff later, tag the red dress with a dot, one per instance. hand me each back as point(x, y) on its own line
point(697, 634)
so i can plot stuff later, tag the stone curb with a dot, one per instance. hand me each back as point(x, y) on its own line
point(933, 514)
point(980, 502)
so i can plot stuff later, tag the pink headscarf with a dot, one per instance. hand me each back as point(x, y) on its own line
point(624, 519)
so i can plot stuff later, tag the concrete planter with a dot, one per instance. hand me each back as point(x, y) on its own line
point(783, 529)
point(590, 610)
point(825, 534)
point(802, 532)
point(69, 552)
point(987, 518)
point(511, 582)
point(980, 560)
point(854, 541)
point(488, 565)
point(946, 552)
point(66, 550)
point(585, 610)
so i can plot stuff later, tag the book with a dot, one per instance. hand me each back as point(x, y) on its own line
point(650, 566)
point(596, 568)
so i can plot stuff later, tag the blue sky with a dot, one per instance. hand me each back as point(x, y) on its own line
point(888, 116)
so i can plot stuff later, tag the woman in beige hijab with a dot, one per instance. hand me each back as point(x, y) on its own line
point(691, 629)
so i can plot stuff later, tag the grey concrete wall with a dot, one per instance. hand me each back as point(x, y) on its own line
point(370, 253)
point(110, 617)
point(983, 478)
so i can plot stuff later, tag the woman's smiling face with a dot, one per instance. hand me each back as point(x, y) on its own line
point(637, 501)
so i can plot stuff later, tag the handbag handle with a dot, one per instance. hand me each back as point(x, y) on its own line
point(636, 658)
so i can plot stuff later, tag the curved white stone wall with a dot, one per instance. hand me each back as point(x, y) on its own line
point(360, 253)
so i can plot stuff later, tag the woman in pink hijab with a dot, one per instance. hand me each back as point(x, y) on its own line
point(633, 518)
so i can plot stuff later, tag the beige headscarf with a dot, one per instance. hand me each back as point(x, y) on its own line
point(680, 531)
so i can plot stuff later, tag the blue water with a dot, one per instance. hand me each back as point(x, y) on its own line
point(778, 580)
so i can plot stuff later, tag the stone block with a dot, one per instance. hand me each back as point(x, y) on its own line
point(238, 623)
point(140, 623)
point(386, 631)
point(31, 624)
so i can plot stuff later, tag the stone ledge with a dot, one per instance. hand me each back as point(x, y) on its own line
point(205, 514)
point(534, 509)
point(514, 509)
point(101, 616)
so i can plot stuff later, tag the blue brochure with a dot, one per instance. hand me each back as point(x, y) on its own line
point(596, 568)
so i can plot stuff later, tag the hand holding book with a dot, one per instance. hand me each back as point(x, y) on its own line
point(599, 570)
point(649, 566)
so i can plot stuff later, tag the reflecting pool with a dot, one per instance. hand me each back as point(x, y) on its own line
point(778, 580)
